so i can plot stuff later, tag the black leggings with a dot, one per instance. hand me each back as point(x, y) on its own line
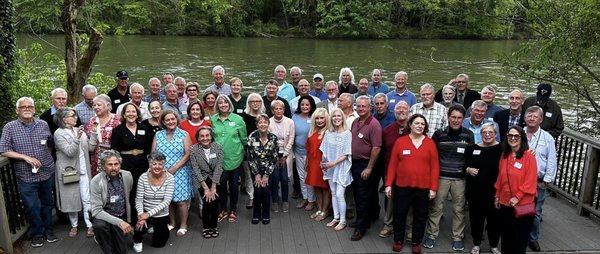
point(161, 232)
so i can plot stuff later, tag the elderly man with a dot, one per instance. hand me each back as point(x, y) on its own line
point(381, 112)
point(401, 93)
point(109, 196)
point(317, 90)
point(219, 85)
point(119, 94)
point(363, 86)
point(390, 134)
point(477, 119)
point(85, 109)
point(296, 74)
point(156, 92)
point(545, 155)
point(452, 141)
point(464, 95)
point(332, 97)
point(168, 78)
point(366, 144)
point(434, 112)
point(59, 100)
point(303, 89)
point(172, 102)
point(236, 96)
point(376, 86)
point(181, 84)
point(346, 104)
point(553, 118)
point(27, 141)
point(488, 95)
point(271, 95)
point(448, 93)
point(347, 83)
point(285, 89)
point(511, 116)
point(137, 92)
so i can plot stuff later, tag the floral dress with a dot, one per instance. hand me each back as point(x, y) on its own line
point(104, 137)
point(173, 150)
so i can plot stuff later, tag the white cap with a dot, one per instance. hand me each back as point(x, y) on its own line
point(318, 75)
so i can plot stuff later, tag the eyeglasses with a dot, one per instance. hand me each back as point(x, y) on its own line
point(192, 90)
point(27, 107)
point(513, 136)
point(488, 132)
point(379, 103)
point(253, 101)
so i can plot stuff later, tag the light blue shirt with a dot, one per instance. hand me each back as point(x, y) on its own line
point(302, 127)
point(224, 89)
point(286, 91)
point(322, 95)
point(381, 88)
point(476, 129)
point(545, 154)
point(394, 97)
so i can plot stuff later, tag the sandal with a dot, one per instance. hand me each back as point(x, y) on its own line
point(309, 206)
point(302, 204)
point(232, 217)
point(340, 226)
point(222, 216)
point(322, 216)
point(314, 215)
point(333, 223)
point(181, 232)
point(90, 232)
point(214, 233)
point(73, 232)
point(206, 233)
point(170, 227)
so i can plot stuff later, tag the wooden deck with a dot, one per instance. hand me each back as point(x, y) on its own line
point(562, 231)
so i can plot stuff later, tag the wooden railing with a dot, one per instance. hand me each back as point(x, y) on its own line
point(12, 214)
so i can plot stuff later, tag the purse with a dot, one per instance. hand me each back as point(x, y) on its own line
point(70, 175)
point(520, 211)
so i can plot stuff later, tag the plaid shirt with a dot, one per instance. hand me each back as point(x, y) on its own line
point(436, 116)
point(33, 141)
point(84, 112)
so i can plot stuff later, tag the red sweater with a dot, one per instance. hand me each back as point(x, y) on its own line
point(414, 167)
point(523, 179)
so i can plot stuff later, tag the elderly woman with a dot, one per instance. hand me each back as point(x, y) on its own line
point(347, 83)
point(230, 133)
point(482, 172)
point(413, 177)
point(302, 122)
point(283, 128)
point(207, 164)
point(191, 90)
point(448, 93)
point(516, 186)
point(208, 100)
point(262, 158)
point(254, 108)
point(175, 144)
point(195, 120)
point(314, 156)
point(100, 128)
point(153, 196)
point(72, 156)
point(136, 92)
point(153, 122)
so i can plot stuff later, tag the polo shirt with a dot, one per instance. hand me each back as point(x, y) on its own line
point(365, 136)
point(223, 89)
point(395, 97)
point(374, 89)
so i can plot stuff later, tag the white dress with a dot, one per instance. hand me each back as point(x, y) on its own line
point(333, 146)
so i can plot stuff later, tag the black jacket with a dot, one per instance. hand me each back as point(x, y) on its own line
point(502, 118)
point(470, 97)
point(553, 118)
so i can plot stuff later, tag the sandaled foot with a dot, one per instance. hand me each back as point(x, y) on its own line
point(340, 226)
point(73, 232)
point(333, 223)
point(181, 231)
point(206, 233)
point(90, 232)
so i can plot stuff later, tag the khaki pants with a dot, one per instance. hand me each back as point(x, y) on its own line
point(457, 189)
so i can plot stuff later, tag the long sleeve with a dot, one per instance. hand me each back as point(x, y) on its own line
point(434, 167)
point(393, 164)
point(218, 170)
point(168, 195)
point(139, 194)
point(291, 135)
point(195, 163)
point(528, 184)
point(64, 143)
point(551, 163)
point(97, 204)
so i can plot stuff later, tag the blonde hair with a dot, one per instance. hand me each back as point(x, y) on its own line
point(331, 127)
point(313, 124)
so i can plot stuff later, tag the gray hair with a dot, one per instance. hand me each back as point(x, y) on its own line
point(170, 85)
point(400, 73)
point(462, 75)
point(331, 83)
point(400, 103)
point(180, 78)
point(57, 90)
point(534, 108)
point(489, 87)
point(380, 95)
point(427, 86)
point(344, 70)
point(225, 98)
point(479, 104)
point(488, 125)
point(517, 91)
point(374, 70)
point(154, 78)
point(155, 156)
point(24, 99)
point(348, 96)
point(262, 104)
point(364, 98)
point(217, 68)
point(135, 85)
point(105, 98)
point(446, 87)
point(60, 115)
point(89, 88)
point(276, 103)
point(279, 67)
point(105, 155)
point(296, 68)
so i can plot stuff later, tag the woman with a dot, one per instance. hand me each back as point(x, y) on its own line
point(283, 128)
point(347, 83)
point(482, 172)
point(191, 90)
point(413, 171)
point(153, 196)
point(302, 122)
point(230, 133)
point(254, 108)
point(207, 165)
point(100, 128)
point(336, 163)
point(153, 122)
point(236, 96)
point(195, 120)
point(72, 151)
point(208, 100)
point(516, 186)
point(314, 156)
point(175, 144)
point(262, 159)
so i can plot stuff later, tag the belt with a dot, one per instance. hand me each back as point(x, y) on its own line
point(133, 152)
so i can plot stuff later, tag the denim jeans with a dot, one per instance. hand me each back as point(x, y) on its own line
point(38, 201)
point(279, 176)
point(539, 202)
point(230, 180)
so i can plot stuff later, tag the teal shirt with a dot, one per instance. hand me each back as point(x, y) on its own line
point(231, 135)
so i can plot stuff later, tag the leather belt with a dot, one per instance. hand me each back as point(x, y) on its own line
point(133, 152)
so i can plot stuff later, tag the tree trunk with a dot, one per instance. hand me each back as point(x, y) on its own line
point(7, 59)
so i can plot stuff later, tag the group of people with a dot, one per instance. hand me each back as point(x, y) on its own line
point(133, 162)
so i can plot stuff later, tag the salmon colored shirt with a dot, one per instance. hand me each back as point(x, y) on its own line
point(522, 176)
point(414, 167)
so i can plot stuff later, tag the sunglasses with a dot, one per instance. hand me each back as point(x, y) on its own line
point(513, 136)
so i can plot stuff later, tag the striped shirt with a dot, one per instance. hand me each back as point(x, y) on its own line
point(154, 200)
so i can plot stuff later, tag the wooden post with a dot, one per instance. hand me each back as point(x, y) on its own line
point(590, 177)
point(6, 243)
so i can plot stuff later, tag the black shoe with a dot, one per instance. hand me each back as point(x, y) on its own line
point(37, 241)
point(255, 221)
point(357, 235)
point(266, 221)
point(353, 224)
point(295, 195)
point(534, 246)
point(51, 238)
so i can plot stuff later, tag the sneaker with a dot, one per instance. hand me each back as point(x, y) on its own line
point(51, 238)
point(475, 250)
point(137, 247)
point(416, 248)
point(428, 242)
point(495, 250)
point(534, 246)
point(458, 246)
point(397, 247)
point(385, 232)
point(37, 241)
point(285, 207)
point(275, 207)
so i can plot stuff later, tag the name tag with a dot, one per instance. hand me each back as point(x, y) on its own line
point(255, 143)
point(117, 101)
point(212, 156)
point(309, 121)
point(548, 114)
point(360, 135)
point(108, 128)
point(491, 119)
point(141, 132)
point(43, 142)
point(114, 199)
point(339, 139)
point(231, 124)
point(405, 152)
point(460, 150)
point(239, 111)
point(476, 152)
point(518, 165)
point(206, 118)
point(393, 101)
point(543, 143)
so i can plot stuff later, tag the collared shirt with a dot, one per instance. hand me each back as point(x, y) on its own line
point(145, 112)
point(116, 197)
point(476, 128)
point(286, 91)
point(390, 134)
point(350, 119)
point(394, 97)
point(116, 98)
point(160, 98)
point(374, 89)
point(230, 133)
point(545, 154)
point(223, 89)
point(294, 102)
point(514, 119)
point(436, 116)
point(32, 140)
point(178, 108)
point(84, 112)
point(262, 157)
point(322, 95)
point(365, 136)
point(385, 119)
point(331, 105)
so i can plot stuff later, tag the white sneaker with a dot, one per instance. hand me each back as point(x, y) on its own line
point(495, 251)
point(137, 247)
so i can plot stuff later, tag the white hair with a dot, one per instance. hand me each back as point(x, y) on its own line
point(279, 67)
point(297, 69)
point(380, 95)
point(400, 73)
point(24, 99)
point(89, 88)
point(347, 70)
point(57, 90)
point(427, 86)
point(180, 78)
point(136, 85)
point(217, 68)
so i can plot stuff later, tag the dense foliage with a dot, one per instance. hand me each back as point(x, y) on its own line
point(7, 57)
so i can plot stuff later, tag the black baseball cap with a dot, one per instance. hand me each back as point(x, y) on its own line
point(122, 75)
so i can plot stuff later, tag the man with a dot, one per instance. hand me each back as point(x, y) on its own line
point(452, 141)
point(59, 100)
point(464, 95)
point(553, 118)
point(172, 102)
point(347, 84)
point(109, 197)
point(401, 93)
point(448, 94)
point(488, 95)
point(85, 109)
point(137, 92)
point(272, 88)
point(363, 86)
point(381, 113)
point(318, 90)
point(26, 142)
point(303, 89)
point(543, 144)
point(296, 74)
point(236, 96)
point(376, 86)
point(285, 89)
point(390, 134)
point(168, 78)
point(346, 104)
point(512, 115)
point(156, 92)
point(366, 144)
point(119, 94)
point(192, 89)
point(332, 97)
point(219, 85)
point(477, 119)
point(181, 84)
point(434, 112)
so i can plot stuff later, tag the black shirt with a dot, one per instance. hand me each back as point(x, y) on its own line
point(486, 159)
point(238, 106)
point(287, 112)
point(123, 140)
point(116, 98)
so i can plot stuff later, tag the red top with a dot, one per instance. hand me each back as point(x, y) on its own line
point(192, 129)
point(522, 176)
point(314, 156)
point(414, 167)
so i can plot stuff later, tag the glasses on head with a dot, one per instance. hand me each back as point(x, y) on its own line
point(27, 107)
point(513, 136)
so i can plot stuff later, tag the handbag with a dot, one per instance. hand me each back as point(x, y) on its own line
point(70, 175)
point(521, 211)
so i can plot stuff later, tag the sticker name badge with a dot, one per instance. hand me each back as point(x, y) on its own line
point(360, 135)
point(114, 199)
point(460, 150)
point(518, 165)
point(405, 152)
point(476, 152)
point(231, 124)
point(393, 101)
point(43, 142)
point(309, 121)
point(117, 101)
point(212, 156)
point(255, 143)
point(239, 111)
point(141, 132)
point(548, 114)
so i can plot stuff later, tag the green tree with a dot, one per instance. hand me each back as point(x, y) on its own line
point(7, 59)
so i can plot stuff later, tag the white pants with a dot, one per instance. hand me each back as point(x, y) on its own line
point(84, 191)
point(308, 192)
point(338, 202)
